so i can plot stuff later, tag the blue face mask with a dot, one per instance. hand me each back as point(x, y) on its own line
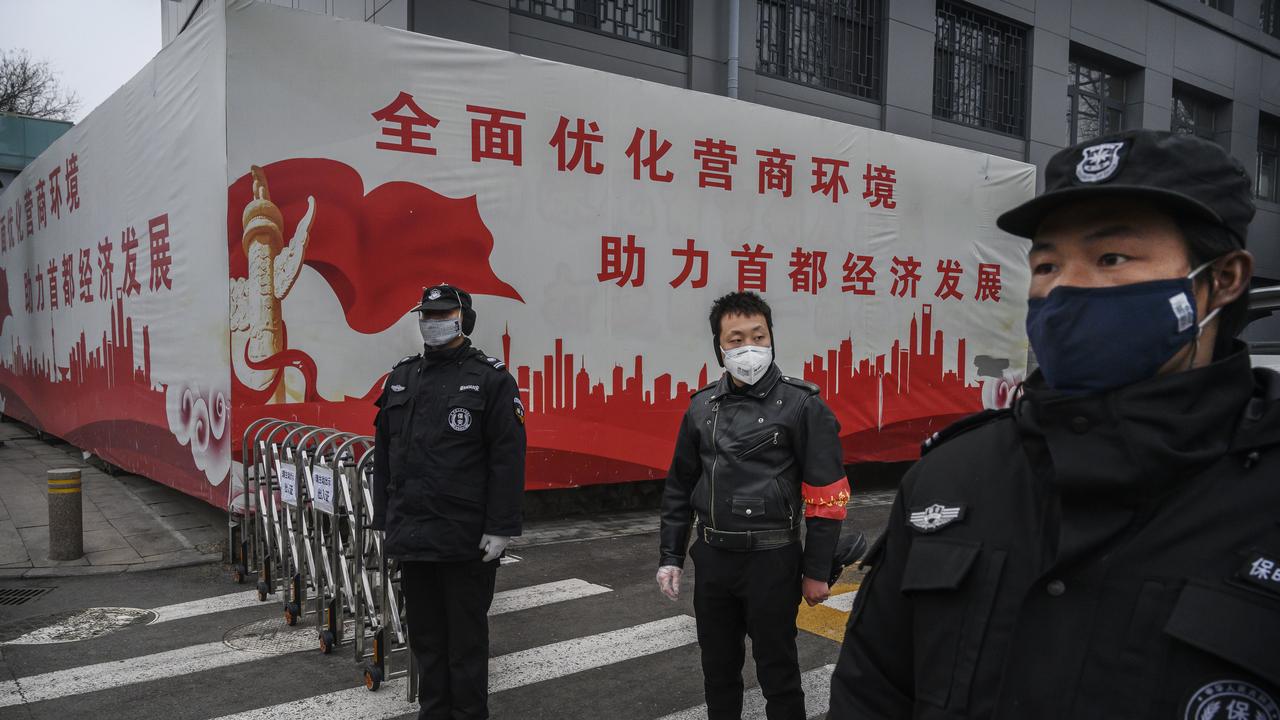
point(1090, 340)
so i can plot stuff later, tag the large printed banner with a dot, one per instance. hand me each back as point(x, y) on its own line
point(113, 276)
point(595, 218)
point(241, 230)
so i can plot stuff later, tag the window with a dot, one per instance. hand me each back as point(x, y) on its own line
point(1095, 101)
point(979, 69)
point(1270, 17)
point(832, 44)
point(1226, 6)
point(661, 23)
point(1192, 114)
point(1268, 182)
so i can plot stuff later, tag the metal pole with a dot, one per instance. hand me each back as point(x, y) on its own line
point(66, 520)
point(732, 90)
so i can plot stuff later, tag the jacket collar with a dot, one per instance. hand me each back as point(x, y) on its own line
point(760, 389)
point(1141, 438)
point(432, 358)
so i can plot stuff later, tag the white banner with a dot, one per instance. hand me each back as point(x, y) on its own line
point(240, 231)
point(113, 324)
point(595, 218)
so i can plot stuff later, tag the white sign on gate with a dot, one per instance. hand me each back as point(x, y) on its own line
point(288, 483)
point(322, 480)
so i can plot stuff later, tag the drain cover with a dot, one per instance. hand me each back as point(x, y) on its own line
point(18, 596)
point(72, 627)
point(273, 636)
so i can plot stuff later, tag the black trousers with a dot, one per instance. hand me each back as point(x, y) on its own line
point(447, 604)
point(756, 594)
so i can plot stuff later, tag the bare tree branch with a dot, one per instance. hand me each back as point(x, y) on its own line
point(29, 87)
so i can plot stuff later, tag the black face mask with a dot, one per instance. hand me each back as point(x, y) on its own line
point(1090, 340)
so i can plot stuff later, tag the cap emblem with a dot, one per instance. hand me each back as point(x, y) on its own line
point(434, 294)
point(1099, 162)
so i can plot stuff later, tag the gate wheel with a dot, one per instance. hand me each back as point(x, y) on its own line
point(372, 677)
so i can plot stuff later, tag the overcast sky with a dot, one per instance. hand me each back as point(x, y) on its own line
point(93, 45)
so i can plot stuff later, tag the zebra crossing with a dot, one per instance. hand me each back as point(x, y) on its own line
point(571, 655)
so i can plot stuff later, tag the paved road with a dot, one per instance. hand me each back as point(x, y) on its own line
point(578, 631)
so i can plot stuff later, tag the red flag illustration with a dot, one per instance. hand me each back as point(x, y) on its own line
point(376, 251)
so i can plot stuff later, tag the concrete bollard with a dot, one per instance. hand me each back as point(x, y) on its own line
point(66, 521)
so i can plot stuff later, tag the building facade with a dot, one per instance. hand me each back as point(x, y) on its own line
point(22, 138)
point(1014, 78)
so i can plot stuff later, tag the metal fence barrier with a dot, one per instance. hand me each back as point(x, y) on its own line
point(301, 525)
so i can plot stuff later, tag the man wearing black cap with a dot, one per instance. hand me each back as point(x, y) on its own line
point(1109, 547)
point(448, 478)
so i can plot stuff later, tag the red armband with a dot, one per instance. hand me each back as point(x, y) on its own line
point(827, 501)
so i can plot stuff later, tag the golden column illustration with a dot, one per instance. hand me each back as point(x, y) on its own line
point(256, 300)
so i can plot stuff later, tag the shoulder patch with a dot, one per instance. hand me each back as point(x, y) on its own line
point(409, 359)
point(961, 427)
point(492, 362)
point(805, 384)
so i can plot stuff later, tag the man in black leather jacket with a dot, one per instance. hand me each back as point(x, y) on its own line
point(1109, 547)
point(448, 478)
point(756, 452)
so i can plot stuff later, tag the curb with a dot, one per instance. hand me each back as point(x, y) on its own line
point(95, 570)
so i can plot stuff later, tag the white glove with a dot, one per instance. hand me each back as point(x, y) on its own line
point(493, 545)
point(669, 581)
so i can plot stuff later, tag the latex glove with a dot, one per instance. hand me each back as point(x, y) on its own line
point(669, 581)
point(493, 545)
point(814, 591)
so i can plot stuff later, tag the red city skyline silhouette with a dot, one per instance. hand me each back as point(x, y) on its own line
point(887, 403)
point(104, 400)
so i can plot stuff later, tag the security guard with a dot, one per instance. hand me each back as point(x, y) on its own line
point(447, 483)
point(1108, 547)
point(755, 453)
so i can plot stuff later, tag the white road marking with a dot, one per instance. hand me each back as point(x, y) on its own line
point(842, 602)
point(544, 594)
point(505, 673)
point(817, 696)
point(117, 673)
point(204, 606)
point(209, 656)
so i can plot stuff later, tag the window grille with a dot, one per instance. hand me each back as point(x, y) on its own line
point(980, 69)
point(1095, 101)
point(831, 44)
point(1268, 177)
point(1192, 115)
point(1270, 17)
point(661, 23)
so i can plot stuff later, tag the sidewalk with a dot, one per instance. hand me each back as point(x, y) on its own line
point(130, 523)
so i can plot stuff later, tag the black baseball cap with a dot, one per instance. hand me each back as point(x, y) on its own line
point(1177, 173)
point(443, 297)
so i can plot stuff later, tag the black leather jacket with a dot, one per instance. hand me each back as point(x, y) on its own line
point(740, 460)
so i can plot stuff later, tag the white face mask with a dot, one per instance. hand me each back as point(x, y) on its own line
point(438, 333)
point(748, 363)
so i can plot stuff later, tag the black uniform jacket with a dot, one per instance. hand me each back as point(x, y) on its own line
point(740, 460)
point(1095, 556)
point(449, 455)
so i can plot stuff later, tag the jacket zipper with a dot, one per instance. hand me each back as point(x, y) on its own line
point(715, 411)
point(771, 440)
point(791, 513)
